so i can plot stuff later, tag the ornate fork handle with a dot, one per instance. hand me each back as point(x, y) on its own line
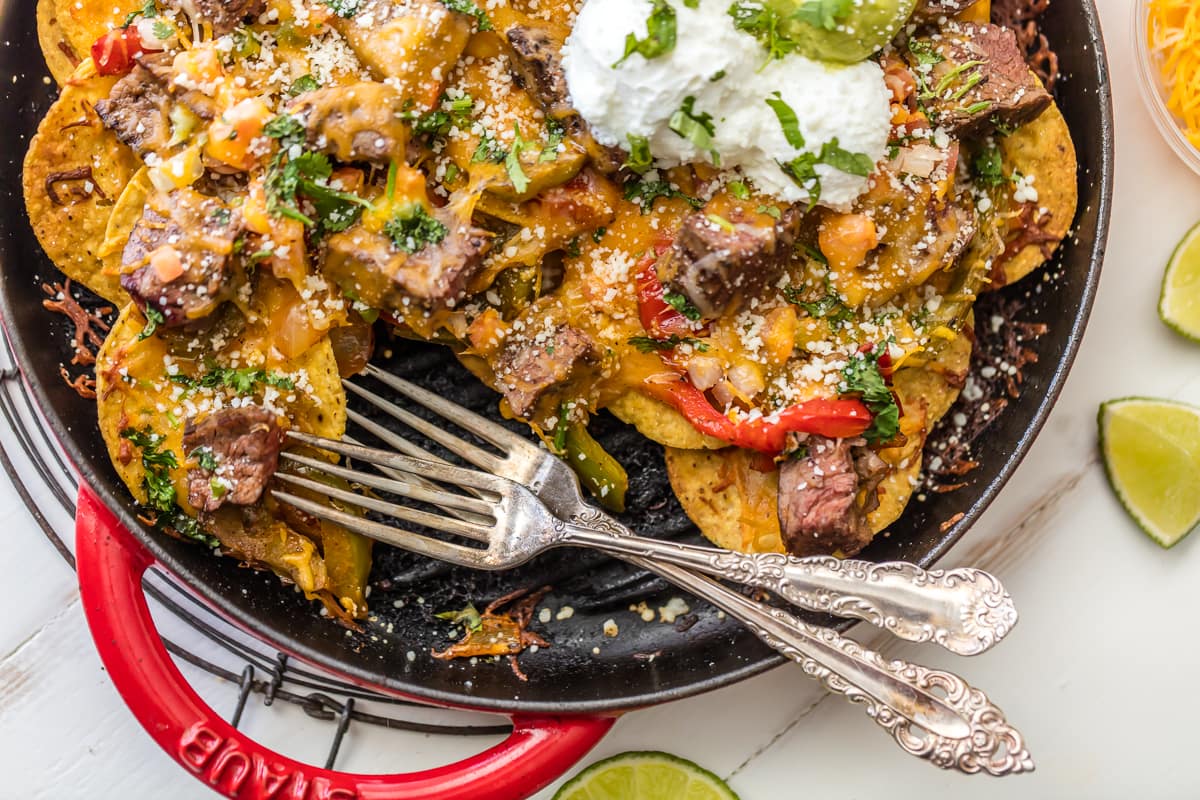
point(965, 611)
point(931, 714)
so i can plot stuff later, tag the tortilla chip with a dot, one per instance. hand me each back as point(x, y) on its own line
point(84, 21)
point(736, 506)
point(1044, 150)
point(61, 57)
point(74, 172)
point(659, 422)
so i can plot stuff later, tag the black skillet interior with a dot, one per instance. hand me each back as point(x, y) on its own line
point(583, 670)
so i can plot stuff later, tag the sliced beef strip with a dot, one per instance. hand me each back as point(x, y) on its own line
point(357, 122)
point(202, 230)
point(538, 62)
point(244, 442)
point(1006, 93)
point(529, 366)
point(222, 15)
point(819, 489)
point(136, 110)
point(712, 265)
point(383, 276)
point(162, 67)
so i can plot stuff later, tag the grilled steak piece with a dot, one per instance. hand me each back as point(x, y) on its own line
point(222, 15)
point(713, 266)
point(137, 111)
point(933, 10)
point(177, 259)
point(384, 276)
point(819, 489)
point(538, 62)
point(981, 81)
point(244, 444)
point(359, 122)
point(529, 365)
point(162, 67)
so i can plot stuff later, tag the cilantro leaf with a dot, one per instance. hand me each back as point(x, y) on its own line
point(859, 164)
point(242, 381)
point(924, 53)
point(681, 304)
point(413, 228)
point(823, 14)
point(787, 120)
point(697, 128)
point(660, 35)
point(205, 458)
point(646, 344)
point(305, 83)
point(148, 10)
point(161, 496)
point(488, 151)
point(988, 167)
point(803, 171)
point(555, 133)
point(512, 162)
point(738, 189)
point(829, 308)
point(344, 8)
point(640, 159)
point(762, 22)
point(862, 377)
point(644, 193)
point(154, 318)
point(482, 20)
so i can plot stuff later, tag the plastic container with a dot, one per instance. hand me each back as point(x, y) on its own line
point(1150, 83)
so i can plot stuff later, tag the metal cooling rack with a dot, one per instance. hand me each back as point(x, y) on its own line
point(34, 461)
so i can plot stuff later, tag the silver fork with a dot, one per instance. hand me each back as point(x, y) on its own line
point(966, 611)
point(932, 714)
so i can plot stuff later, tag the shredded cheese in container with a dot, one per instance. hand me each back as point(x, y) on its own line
point(1174, 40)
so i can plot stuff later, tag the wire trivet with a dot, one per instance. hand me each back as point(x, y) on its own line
point(256, 669)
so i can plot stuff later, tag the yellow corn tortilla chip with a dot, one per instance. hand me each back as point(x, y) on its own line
point(84, 21)
point(74, 172)
point(659, 422)
point(61, 57)
point(122, 219)
point(1042, 149)
point(736, 506)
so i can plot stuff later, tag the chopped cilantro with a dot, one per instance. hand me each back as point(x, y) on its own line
point(598, 234)
point(555, 132)
point(815, 254)
point(512, 162)
point(468, 616)
point(824, 14)
point(803, 171)
point(680, 303)
point(988, 167)
point(787, 120)
point(770, 211)
point(572, 249)
point(245, 43)
point(305, 83)
point(644, 193)
point(862, 377)
point(488, 151)
point(160, 491)
point(646, 344)
point(242, 381)
point(762, 22)
point(697, 128)
point(859, 164)
point(154, 318)
point(148, 10)
point(344, 8)
point(451, 113)
point(413, 228)
point(471, 10)
point(660, 35)
point(738, 189)
point(829, 308)
point(162, 29)
point(640, 160)
point(205, 458)
point(305, 174)
point(924, 53)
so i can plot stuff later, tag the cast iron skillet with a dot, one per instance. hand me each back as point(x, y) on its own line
point(566, 677)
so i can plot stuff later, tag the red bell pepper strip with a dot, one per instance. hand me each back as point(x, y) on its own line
point(836, 419)
point(659, 318)
point(114, 52)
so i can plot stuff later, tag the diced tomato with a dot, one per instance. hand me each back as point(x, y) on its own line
point(167, 263)
point(114, 52)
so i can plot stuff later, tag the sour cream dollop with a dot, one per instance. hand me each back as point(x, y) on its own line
point(722, 69)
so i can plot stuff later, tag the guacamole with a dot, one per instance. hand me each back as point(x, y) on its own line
point(843, 31)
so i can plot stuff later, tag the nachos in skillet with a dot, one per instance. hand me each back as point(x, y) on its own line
point(256, 182)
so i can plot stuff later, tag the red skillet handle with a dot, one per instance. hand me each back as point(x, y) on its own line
point(111, 563)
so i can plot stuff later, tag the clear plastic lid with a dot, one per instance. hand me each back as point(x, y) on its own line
point(1150, 83)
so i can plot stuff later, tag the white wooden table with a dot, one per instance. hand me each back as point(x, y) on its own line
point(1098, 675)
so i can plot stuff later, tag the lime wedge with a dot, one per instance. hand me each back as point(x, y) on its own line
point(1151, 451)
point(645, 776)
point(1179, 305)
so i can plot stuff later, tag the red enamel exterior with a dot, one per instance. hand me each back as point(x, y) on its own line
point(111, 563)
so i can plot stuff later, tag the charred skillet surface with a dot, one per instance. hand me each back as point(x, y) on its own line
point(566, 677)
